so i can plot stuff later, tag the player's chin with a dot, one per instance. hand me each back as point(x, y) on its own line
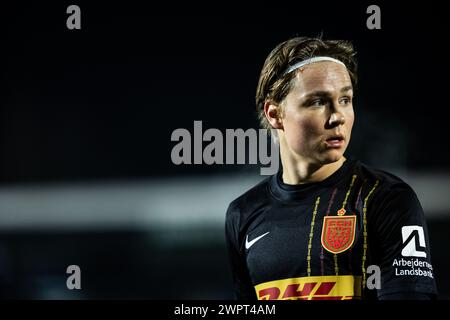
point(332, 155)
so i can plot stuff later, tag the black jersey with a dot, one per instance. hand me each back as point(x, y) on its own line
point(328, 240)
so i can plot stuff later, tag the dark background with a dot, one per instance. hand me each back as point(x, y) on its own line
point(98, 105)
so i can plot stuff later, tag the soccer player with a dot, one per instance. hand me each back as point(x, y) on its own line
point(327, 226)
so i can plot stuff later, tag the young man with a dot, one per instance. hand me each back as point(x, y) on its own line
point(325, 226)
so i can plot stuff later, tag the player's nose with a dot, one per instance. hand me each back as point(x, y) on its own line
point(336, 119)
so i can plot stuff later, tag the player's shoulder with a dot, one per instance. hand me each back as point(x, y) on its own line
point(246, 203)
point(385, 183)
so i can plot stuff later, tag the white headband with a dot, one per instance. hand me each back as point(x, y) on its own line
point(308, 61)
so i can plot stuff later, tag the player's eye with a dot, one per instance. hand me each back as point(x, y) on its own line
point(345, 100)
point(316, 102)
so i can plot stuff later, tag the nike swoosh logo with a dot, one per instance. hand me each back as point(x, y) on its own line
point(248, 244)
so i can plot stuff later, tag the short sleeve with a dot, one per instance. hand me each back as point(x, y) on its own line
point(242, 283)
point(400, 243)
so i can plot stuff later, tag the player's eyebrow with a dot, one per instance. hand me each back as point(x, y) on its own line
point(319, 93)
point(346, 88)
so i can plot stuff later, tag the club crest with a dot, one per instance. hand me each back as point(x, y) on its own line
point(338, 233)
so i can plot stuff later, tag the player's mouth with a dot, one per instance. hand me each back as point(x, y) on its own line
point(335, 141)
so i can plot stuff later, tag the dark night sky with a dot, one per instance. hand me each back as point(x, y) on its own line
point(101, 103)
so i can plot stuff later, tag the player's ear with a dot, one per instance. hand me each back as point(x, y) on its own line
point(273, 114)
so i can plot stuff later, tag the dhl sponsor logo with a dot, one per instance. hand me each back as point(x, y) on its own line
point(311, 288)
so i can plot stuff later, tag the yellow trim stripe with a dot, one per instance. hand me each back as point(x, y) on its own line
point(347, 194)
point(311, 234)
point(364, 257)
point(336, 266)
point(348, 191)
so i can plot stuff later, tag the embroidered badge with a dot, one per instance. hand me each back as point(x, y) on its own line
point(338, 233)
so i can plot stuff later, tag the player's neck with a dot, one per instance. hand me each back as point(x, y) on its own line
point(300, 172)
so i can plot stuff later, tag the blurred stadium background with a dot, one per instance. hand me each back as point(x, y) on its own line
point(86, 175)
